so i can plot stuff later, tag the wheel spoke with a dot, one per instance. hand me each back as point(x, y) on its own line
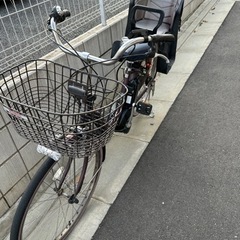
point(45, 211)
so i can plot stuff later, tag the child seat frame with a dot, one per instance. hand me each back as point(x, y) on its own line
point(157, 16)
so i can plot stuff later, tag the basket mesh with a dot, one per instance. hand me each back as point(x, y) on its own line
point(37, 99)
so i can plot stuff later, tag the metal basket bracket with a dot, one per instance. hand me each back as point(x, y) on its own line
point(78, 90)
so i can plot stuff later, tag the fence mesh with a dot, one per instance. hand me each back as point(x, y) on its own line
point(23, 33)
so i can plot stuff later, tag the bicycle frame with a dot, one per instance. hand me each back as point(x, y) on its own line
point(135, 77)
point(139, 83)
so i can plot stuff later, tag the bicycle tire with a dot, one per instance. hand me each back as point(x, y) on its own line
point(40, 205)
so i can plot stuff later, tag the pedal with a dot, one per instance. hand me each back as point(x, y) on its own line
point(144, 108)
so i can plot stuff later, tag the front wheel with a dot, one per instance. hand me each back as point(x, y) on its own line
point(49, 208)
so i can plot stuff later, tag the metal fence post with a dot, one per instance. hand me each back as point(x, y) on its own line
point(102, 12)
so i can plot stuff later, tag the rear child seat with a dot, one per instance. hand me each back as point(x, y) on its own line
point(158, 17)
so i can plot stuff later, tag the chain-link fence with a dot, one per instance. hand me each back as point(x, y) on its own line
point(23, 33)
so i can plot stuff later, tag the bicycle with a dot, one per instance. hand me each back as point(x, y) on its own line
point(72, 114)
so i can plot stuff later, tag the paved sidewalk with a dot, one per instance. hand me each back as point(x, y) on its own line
point(185, 185)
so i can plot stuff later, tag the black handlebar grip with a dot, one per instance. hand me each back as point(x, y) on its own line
point(163, 38)
point(66, 13)
point(58, 14)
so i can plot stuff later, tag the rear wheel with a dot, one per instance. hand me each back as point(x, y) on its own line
point(49, 209)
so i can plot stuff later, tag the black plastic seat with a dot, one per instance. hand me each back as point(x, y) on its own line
point(158, 17)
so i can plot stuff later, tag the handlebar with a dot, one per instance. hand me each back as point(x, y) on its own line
point(57, 15)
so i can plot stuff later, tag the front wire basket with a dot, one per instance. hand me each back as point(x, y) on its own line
point(36, 96)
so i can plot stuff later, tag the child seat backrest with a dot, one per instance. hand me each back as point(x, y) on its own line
point(158, 17)
point(167, 6)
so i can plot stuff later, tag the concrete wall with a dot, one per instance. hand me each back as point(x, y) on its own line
point(19, 159)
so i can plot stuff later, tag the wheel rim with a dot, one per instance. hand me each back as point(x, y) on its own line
point(50, 215)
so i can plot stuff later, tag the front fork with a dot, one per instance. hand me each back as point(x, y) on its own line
point(61, 174)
